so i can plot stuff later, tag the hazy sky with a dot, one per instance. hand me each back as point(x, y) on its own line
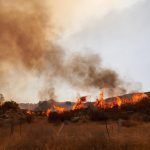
point(117, 30)
point(73, 15)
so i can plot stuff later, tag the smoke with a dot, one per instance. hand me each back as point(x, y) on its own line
point(22, 28)
point(85, 71)
point(82, 71)
point(24, 45)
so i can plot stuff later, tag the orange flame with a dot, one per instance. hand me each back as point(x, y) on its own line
point(101, 103)
point(48, 112)
point(29, 112)
point(59, 109)
point(80, 103)
point(138, 97)
point(119, 101)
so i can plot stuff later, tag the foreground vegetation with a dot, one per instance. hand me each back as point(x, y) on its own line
point(41, 135)
point(118, 128)
point(139, 112)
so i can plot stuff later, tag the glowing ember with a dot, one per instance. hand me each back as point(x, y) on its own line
point(48, 112)
point(59, 109)
point(119, 101)
point(138, 97)
point(29, 112)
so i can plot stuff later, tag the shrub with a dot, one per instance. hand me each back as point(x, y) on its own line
point(10, 105)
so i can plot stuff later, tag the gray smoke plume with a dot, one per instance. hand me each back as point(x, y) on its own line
point(23, 42)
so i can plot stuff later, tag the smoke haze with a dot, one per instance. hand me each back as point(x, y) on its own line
point(27, 56)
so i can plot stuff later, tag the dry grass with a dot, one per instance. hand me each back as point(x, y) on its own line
point(42, 135)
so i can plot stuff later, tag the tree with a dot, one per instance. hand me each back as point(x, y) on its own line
point(2, 99)
point(10, 105)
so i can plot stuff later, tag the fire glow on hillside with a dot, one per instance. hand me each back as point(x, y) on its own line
point(100, 103)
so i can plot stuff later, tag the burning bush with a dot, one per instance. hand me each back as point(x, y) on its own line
point(125, 112)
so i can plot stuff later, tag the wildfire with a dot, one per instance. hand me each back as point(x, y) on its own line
point(118, 101)
point(48, 112)
point(100, 103)
point(54, 108)
point(59, 109)
point(138, 97)
point(80, 103)
point(29, 112)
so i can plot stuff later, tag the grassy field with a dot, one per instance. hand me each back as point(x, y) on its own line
point(41, 135)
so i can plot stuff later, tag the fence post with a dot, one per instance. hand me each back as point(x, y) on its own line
point(107, 129)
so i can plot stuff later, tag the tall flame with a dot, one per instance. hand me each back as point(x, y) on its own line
point(80, 103)
point(48, 112)
point(119, 101)
point(100, 103)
